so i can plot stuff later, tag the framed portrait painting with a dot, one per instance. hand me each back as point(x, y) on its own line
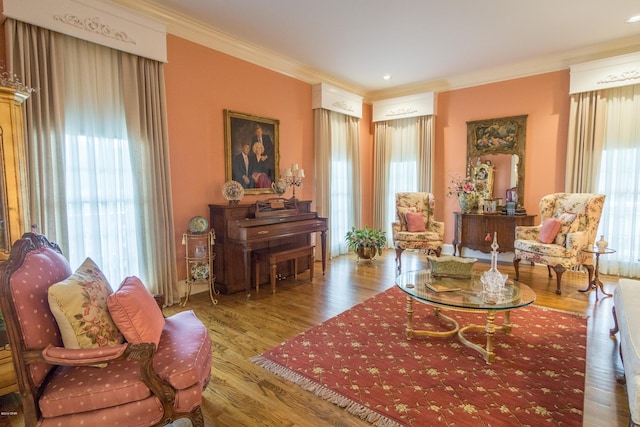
point(252, 151)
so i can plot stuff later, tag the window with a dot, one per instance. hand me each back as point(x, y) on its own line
point(100, 205)
point(619, 179)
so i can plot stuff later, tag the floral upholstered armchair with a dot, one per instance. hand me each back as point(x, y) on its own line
point(415, 227)
point(86, 355)
point(569, 224)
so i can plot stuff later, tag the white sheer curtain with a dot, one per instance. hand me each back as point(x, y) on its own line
point(97, 154)
point(98, 168)
point(619, 179)
point(339, 195)
point(402, 163)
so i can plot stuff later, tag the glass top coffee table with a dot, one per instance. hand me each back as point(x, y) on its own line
point(467, 295)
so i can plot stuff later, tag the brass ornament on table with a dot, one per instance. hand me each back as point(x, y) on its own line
point(451, 266)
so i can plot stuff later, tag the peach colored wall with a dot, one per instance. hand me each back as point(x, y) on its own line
point(200, 84)
point(544, 98)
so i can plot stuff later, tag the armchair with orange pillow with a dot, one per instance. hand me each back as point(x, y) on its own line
point(416, 228)
point(85, 354)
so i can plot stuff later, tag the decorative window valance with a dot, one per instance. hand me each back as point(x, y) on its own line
point(422, 104)
point(338, 100)
point(99, 22)
point(606, 73)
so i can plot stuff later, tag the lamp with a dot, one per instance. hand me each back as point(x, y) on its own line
point(293, 177)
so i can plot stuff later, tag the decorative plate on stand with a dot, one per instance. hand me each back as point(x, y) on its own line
point(200, 271)
point(198, 225)
point(233, 191)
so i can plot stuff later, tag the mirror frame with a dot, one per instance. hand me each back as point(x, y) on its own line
point(510, 139)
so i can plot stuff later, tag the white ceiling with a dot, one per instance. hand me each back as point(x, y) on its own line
point(422, 44)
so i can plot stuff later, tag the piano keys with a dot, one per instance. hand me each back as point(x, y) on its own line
point(239, 232)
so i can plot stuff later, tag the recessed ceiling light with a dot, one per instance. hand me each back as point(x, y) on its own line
point(387, 77)
point(633, 19)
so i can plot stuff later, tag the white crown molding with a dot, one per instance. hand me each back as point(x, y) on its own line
point(197, 32)
point(208, 36)
point(548, 64)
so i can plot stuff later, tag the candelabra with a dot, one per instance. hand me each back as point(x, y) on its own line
point(293, 177)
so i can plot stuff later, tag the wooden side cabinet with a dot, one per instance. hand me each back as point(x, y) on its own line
point(471, 230)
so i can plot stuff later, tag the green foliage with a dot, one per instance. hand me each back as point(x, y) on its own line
point(366, 237)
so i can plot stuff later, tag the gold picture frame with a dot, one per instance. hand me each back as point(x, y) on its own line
point(502, 136)
point(263, 164)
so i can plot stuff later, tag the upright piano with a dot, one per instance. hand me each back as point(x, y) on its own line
point(239, 231)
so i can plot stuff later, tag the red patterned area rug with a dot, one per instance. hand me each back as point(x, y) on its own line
point(362, 361)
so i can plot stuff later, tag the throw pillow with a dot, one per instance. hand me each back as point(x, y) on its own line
point(135, 312)
point(549, 230)
point(79, 305)
point(566, 218)
point(402, 212)
point(415, 222)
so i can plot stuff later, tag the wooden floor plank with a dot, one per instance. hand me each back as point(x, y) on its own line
point(242, 394)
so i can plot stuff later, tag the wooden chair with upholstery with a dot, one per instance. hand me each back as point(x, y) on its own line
point(144, 369)
point(415, 227)
point(569, 224)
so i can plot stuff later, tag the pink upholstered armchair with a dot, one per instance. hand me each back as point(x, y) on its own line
point(137, 382)
point(416, 228)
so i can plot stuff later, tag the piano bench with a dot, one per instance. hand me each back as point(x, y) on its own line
point(278, 254)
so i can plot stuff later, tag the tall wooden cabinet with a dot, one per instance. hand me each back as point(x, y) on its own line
point(14, 212)
point(471, 230)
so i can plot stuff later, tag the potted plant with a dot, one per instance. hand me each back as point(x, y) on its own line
point(367, 242)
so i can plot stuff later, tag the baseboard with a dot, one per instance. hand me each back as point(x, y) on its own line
point(448, 249)
point(195, 288)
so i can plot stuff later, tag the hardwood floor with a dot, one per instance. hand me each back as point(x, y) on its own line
point(243, 394)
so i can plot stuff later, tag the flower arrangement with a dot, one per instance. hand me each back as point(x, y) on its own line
point(469, 193)
point(459, 185)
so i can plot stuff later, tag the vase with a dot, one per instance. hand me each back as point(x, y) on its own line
point(366, 252)
point(469, 203)
point(602, 244)
point(463, 200)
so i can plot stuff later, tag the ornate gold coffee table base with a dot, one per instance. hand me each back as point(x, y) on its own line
point(490, 328)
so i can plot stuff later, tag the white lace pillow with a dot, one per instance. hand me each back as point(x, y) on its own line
point(79, 305)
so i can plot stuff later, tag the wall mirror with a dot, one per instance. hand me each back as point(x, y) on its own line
point(501, 144)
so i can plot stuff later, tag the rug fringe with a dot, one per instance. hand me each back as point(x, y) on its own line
point(583, 315)
point(323, 392)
